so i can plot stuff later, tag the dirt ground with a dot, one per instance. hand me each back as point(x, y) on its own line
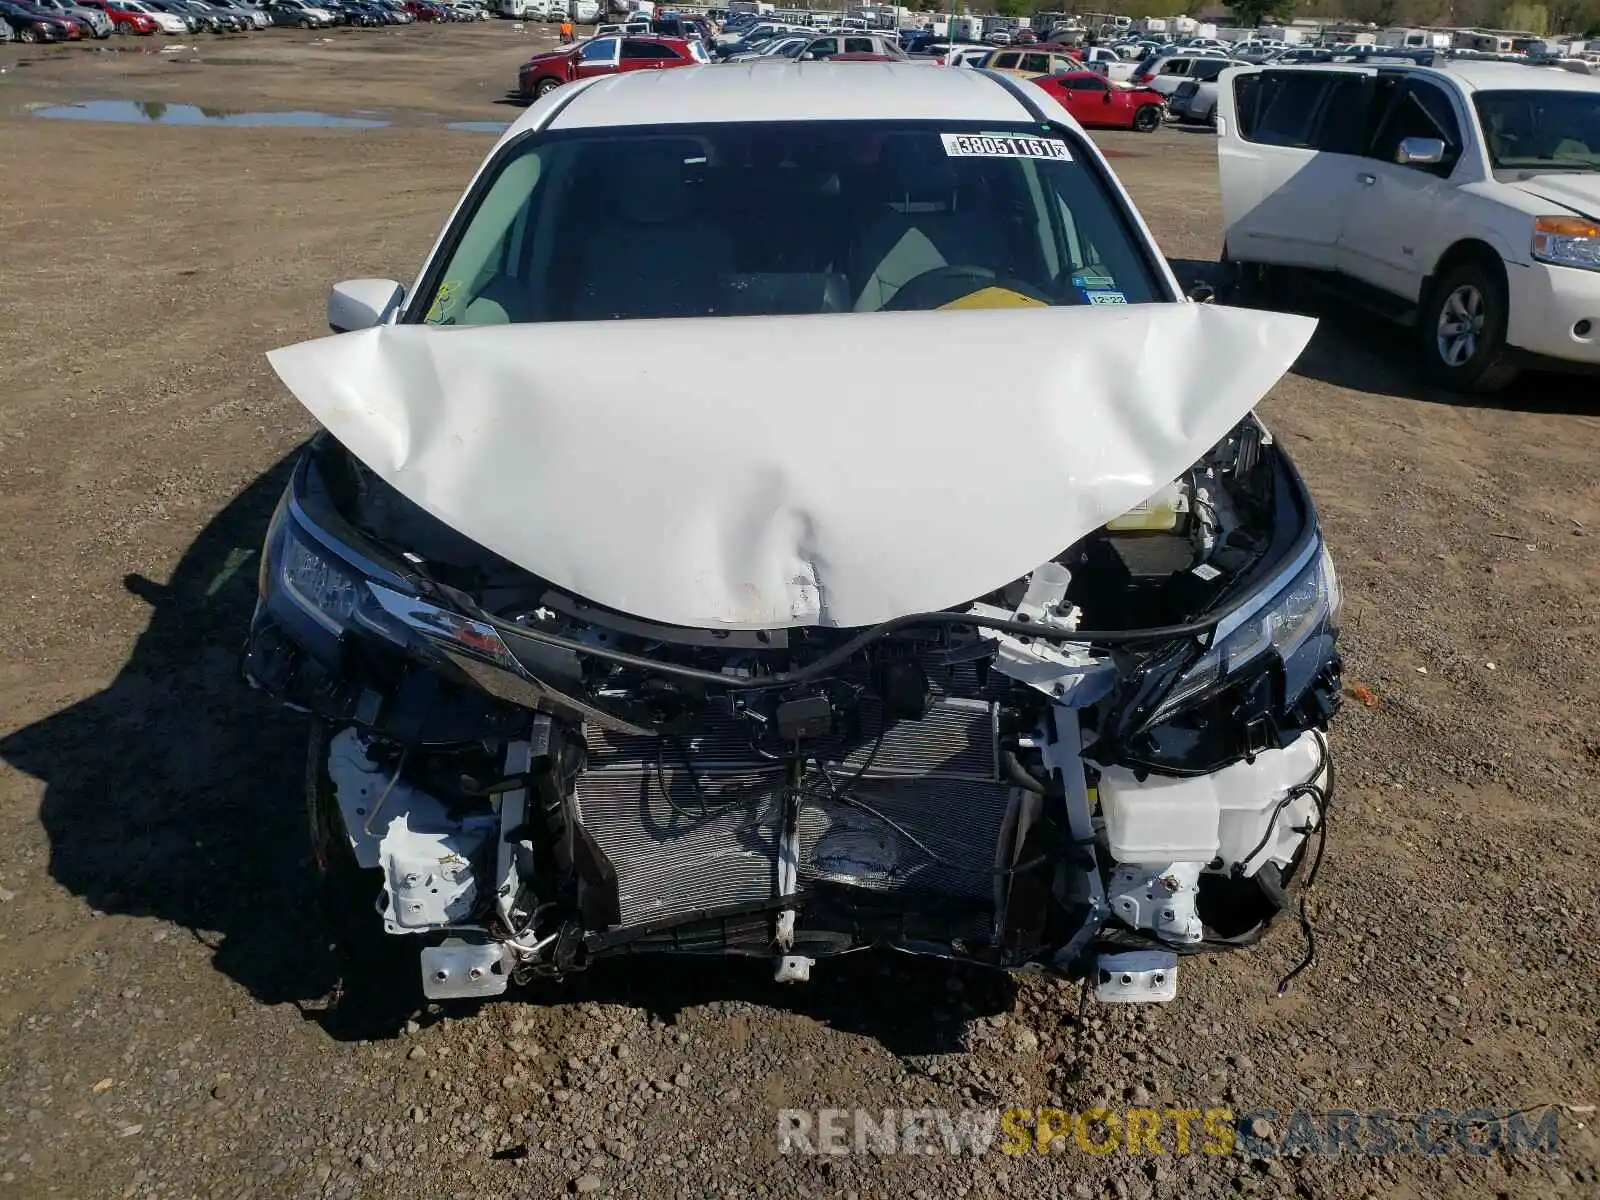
point(164, 1029)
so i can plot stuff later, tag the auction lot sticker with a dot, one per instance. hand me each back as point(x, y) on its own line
point(1003, 145)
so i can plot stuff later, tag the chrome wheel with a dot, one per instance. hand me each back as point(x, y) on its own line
point(1460, 325)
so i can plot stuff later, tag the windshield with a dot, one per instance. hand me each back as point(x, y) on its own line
point(1527, 130)
point(816, 217)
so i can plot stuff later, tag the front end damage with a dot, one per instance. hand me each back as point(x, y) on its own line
point(1111, 762)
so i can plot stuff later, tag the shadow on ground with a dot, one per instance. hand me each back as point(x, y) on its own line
point(174, 792)
point(177, 793)
point(1355, 349)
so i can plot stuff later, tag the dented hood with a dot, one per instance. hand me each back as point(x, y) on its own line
point(820, 470)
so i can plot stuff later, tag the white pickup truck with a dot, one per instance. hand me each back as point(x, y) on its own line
point(1464, 200)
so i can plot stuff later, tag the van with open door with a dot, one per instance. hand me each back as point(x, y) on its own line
point(1463, 201)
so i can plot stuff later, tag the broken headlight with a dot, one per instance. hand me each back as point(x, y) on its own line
point(1297, 625)
point(301, 575)
point(305, 579)
point(327, 592)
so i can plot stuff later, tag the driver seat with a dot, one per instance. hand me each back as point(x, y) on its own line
point(929, 219)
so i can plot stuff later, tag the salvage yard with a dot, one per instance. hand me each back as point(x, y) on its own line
point(166, 1023)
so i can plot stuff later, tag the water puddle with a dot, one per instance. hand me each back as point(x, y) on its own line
point(162, 112)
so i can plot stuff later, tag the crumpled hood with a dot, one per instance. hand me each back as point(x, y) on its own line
point(1581, 193)
point(819, 470)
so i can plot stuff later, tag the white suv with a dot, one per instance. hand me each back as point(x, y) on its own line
point(1465, 199)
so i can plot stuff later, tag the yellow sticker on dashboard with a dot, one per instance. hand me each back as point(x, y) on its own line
point(995, 297)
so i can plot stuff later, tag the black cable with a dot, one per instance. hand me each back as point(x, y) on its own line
point(1305, 916)
point(1123, 936)
point(1310, 955)
point(1300, 789)
point(737, 799)
point(872, 755)
point(1272, 823)
point(1019, 776)
point(666, 792)
point(836, 658)
point(854, 800)
point(1320, 797)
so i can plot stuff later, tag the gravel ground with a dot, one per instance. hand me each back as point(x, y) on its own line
point(165, 1024)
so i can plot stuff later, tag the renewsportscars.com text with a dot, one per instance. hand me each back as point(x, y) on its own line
point(1259, 1132)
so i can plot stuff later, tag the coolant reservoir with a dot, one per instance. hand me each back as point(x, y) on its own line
point(1161, 513)
point(1162, 820)
point(1229, 814)
point(1248, 795)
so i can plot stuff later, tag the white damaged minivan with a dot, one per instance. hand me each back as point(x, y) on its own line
point(845, 641)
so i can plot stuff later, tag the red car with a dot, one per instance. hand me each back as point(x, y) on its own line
point(40, 25)
point(1099, 104)
point(123, 20)
point(605, 56)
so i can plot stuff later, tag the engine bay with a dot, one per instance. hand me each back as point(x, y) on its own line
point(533, 781)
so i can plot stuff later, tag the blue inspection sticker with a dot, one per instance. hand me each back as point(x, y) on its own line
point(1105, 297)
point(1091, 279)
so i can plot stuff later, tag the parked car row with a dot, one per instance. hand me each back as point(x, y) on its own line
point(744, 38)
point(45, 21)
point(1089, 96)
point(807, 46)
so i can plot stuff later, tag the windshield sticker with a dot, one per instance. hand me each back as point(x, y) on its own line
point(1003, 145)
point(444, 303)
point(1093, 279)
point(1105, 297)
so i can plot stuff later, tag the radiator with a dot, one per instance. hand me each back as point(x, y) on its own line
point(683, 842)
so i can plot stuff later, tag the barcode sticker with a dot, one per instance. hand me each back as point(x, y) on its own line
point(1003, 145)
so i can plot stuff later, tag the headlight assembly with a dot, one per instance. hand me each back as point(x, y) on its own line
point(328, 593)
point(1567, 242)
point(339, 598)
point(1290, 625)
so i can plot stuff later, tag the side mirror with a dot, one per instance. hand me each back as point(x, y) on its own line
point(1419, 152)
point(1105, 97)
point(1202, 292)
point(362, 303)
point(808, 57)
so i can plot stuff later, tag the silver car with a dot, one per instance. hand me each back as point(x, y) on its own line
point(1195, 102)
point(1166, 75)
point(257, 18)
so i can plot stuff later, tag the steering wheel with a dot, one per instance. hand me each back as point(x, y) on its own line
point(947, 284)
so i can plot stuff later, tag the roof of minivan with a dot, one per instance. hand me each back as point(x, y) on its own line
point(814, 91)
point(1509, 76)
point(1473, 75)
